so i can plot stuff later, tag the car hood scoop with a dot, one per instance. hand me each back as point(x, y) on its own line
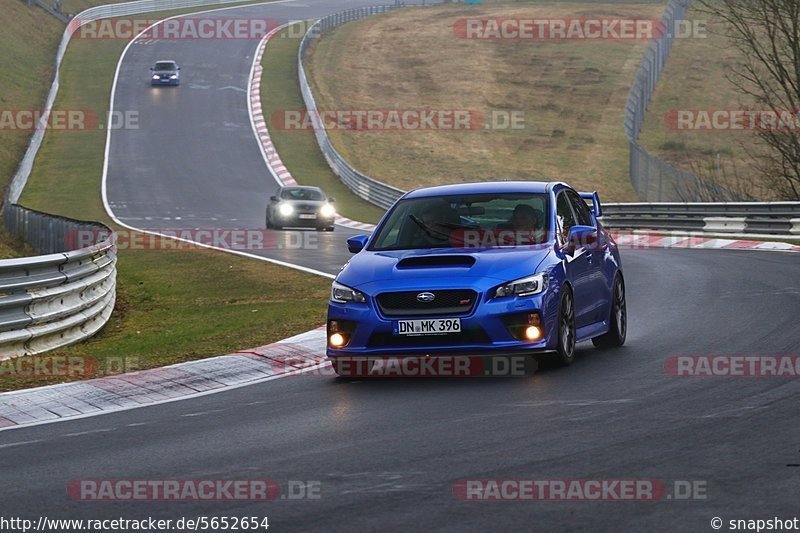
point(437, 261)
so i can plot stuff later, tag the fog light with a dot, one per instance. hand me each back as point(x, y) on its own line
point(525, 326)
point(533, 333)
point(337, 340)
point(340, 332)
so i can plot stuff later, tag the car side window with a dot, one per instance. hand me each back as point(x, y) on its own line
point(582, 215)
point(564, 215)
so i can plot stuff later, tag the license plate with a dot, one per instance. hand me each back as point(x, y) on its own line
point(308, 217)
point(434, 326)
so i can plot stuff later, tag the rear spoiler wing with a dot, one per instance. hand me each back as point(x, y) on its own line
point(595, 198)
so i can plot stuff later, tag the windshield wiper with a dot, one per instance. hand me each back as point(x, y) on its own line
point(434, 233)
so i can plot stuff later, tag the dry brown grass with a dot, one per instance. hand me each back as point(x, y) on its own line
point(572, 95)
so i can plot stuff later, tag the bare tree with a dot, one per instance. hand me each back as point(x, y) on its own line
point(715, 181)
point(767, 35)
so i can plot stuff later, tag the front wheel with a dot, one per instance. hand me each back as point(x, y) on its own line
point(618, 322)
point(566, 329)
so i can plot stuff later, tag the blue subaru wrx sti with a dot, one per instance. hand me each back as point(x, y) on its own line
point(480, 269)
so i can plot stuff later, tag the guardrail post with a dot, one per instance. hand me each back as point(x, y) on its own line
point(795, 222)
point(725, 224)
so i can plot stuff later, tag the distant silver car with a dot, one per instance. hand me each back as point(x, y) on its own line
point(301, 207)
point(165, 72)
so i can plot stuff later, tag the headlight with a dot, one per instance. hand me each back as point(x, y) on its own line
point(343, 294)
point(523, 287)
point(285, 209)
point(156, 77)
point(327, 210)
point(174, 77)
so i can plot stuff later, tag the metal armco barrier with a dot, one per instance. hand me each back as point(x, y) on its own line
point(653, 179)
point(371, 190)
point(67, 295)
point(757, 218)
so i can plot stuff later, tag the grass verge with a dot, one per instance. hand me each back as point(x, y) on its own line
point(172, 306)
point(280, 92)
point(571, 94)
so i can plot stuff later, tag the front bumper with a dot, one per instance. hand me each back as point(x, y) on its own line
point(484, 331)
point(166, 81)
point(296, 222)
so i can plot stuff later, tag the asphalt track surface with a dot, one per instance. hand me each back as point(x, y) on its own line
point(387, 453)
point(194, 161)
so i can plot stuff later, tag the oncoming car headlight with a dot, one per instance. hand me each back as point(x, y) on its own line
point(174, 77)
point(327, 210)
point(527, 286)
point(156, 77)
point(286, 209)
point(343, 294)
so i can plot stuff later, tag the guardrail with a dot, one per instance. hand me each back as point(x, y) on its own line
point(754, 218)
point(84, 17)
point(371, 190)
point(68, 294)
point(653, 179)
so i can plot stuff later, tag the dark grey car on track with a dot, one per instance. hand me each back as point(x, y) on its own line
point(165, 72)
point(301, 207)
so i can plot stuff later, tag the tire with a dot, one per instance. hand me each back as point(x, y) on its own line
point(566, 328)
point(618, 321)
point(330, 228)
point(269, 223)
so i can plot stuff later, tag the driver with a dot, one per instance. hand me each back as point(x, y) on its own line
point(525, 222)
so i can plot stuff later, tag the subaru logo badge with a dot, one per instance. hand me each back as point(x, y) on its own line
point(426, 297)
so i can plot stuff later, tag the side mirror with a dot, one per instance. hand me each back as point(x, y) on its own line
point(357, 243)
point(331, 199)
point(273, 198)
point(151, 68)
point(581, 237)
point(178, 68)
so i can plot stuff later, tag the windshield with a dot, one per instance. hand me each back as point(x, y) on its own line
point(465, 221)
point(166, 65)
point(313, 195)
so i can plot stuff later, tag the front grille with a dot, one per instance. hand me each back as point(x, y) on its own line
point(465, 337)
point(445, 302)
